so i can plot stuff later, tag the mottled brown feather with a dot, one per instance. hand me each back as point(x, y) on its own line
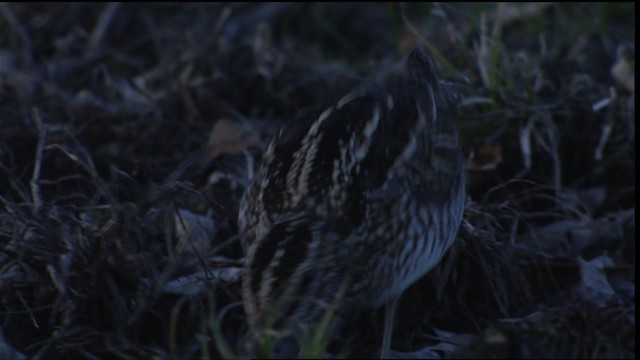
point(365, 195)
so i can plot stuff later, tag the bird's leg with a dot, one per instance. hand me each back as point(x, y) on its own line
point(389, 316)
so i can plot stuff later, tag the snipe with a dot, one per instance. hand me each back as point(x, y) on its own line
point(353, 204)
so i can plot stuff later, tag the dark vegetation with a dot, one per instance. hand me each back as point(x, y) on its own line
point(128, 133)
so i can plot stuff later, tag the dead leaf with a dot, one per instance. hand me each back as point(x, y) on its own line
point(507, 13)
point(231, 137)
point(194, 231)
point(7, 351)
point(193, 284)
point(487, 157)
point(569, 238)
point(594, 283)
point(450, 344)
point(624, 69)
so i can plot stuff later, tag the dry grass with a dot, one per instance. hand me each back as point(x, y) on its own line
point(128, 133)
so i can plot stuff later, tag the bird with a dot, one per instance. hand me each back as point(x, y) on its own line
point(352, 203)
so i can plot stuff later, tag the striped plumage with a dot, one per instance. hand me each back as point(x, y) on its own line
point(354, 203)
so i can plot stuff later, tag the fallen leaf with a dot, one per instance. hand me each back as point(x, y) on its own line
point(624, 69)
point(7, 351)
point(594, 283)
point(450, 344)
point(510, 12)
point(487, 157)
point(193, 284)
point(194, 231)
point(231, 137)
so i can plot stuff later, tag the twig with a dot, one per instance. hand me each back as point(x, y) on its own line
point(81, 156)
point(16, 184)
point(102, 25)
point(19, 30)
point(37, 167)
point(607, 126)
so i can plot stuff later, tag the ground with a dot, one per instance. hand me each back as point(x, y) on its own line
point(128, 133)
